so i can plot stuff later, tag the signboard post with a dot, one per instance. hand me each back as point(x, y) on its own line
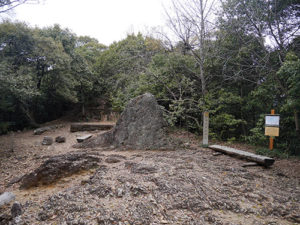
point(205, 129)
point(272, 127)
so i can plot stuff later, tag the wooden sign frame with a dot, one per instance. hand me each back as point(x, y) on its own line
point(272, 125)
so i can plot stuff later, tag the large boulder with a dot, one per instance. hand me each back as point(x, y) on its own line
point(59, 166)
point(140, 126)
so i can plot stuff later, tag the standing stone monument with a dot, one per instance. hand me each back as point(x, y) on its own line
point(205, 129)
point(140, 126)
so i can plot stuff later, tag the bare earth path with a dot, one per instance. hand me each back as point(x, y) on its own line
point(188, 186)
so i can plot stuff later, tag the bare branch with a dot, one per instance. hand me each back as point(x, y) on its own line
point(7, 5)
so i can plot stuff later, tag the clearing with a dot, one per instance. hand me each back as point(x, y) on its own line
point(188, 186)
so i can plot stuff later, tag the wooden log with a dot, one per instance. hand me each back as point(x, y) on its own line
point(262, 160)
point(89, 127)
point(83, 138)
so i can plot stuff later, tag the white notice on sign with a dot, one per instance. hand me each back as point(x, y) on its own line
point(272, 121)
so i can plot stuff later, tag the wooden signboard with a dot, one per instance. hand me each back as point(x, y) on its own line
point(272, 125)
point(272, 131)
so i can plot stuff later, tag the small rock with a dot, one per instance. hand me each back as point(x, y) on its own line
point(41, 130)
point(83, 182)
point(217, 153)
point(50, 148)
point(5, 218)
point(249, 164)
point(143, 169)
point(43, 216)
point(37, 143)
point(101, 191)
point(17, 221)
point(16, 209)
point(47, 140)
point(137, 190)
point(295, 218)
point(60, 139)
point(187, 144)
point(117, 156)
point(83, 138)
point(6, 197)
point(120, 192)
point(112, 160)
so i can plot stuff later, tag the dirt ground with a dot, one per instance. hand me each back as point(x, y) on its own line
point(188, 186)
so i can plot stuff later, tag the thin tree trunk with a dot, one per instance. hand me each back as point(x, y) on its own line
point(82, 101)
point(242, 116)
point(29, 116)
point(202, 34)
point(83, 109)
point(297, 123)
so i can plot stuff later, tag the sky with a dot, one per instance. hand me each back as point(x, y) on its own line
point(105, 20)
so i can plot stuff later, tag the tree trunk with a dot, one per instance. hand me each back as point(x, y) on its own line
point(202, 37)
point(29, 116)
point(40, 74)
point(297, 123)
point(82, 101)
point(83, 109)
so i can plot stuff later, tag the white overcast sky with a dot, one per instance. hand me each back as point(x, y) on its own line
point(106, 20)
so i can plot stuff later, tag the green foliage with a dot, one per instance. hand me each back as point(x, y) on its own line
point(127, 87)
point(224, 110)
point(290, 72)
point(225, 125)
point(275, 153)
point(257, 136)
point(42, 73)
point(125, 64)
point(4, 127)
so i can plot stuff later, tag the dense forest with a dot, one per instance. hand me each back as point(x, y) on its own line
point(238, 67)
